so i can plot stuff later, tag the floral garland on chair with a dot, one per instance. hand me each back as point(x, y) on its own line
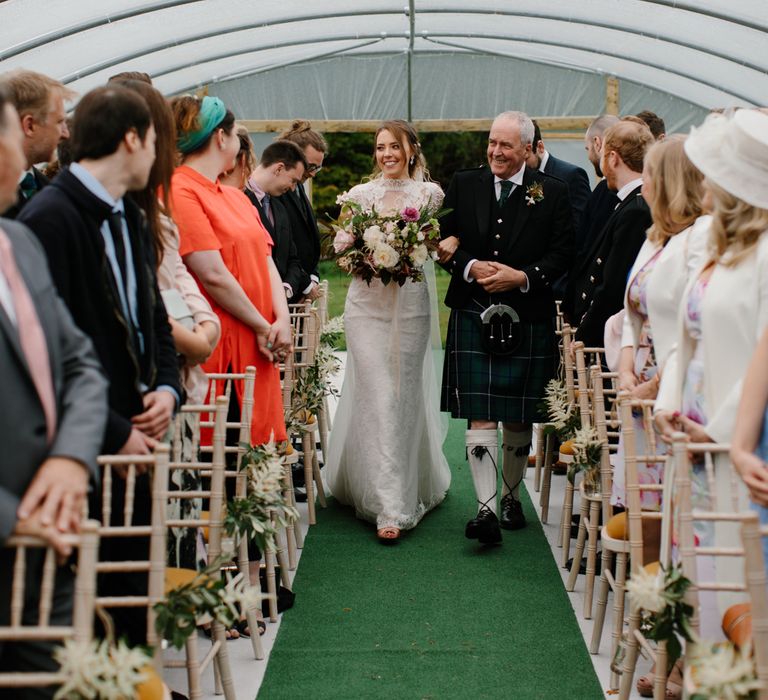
point(564, 419)
point(587, 452)
point(720, 671)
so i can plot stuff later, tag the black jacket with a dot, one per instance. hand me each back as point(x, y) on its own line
point(539, 241)
point(596, 290)
point(600, 206)
point(304, 230)
point(21, 200)
point(577, 181)
point(67, 218)
point(284, 251)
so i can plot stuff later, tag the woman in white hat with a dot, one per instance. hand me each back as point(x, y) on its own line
point(724, 309)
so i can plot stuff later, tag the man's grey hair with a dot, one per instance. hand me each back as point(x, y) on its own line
point(523, 122)
point(599, 126)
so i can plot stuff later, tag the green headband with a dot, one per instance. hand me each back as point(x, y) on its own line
point(212, 112)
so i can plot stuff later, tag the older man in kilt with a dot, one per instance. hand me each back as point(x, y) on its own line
point(514, 227)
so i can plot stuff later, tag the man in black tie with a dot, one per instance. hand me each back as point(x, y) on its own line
point(602, 201)
point(39, 101)
point(515, 231)
point(102, 261)
point(596, 288)
point(280, 170)
point(303, 224)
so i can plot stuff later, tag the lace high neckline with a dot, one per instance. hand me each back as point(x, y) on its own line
point(390, 183)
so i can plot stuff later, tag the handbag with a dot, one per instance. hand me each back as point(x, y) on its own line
point(502, 332)
point(177, 308)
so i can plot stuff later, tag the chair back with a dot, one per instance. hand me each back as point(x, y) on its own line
point(122, 525)
point(27, 555)
point(604, 389)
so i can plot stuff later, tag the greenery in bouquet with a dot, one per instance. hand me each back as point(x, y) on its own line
point(101, 669)
point(664, 614)
point(587, 449)
point(564, 418)
point(391, 248)
point(206, 597)
point(264, 510)
point(311, 385)
point(720, 671)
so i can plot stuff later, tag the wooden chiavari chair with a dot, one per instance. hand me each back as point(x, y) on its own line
point(582, 395)
point(19, 629)
point(127, 468)
point(595, 507)
point(213, 520)
point(306, 334)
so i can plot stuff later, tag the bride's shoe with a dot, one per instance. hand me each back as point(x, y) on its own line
point(388, 534)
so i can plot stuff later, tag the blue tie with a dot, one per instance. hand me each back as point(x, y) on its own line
point(265, 202)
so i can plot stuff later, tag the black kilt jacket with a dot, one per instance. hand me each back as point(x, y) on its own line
point(535, 238)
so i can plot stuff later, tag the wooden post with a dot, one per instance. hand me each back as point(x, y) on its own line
point(612, 95)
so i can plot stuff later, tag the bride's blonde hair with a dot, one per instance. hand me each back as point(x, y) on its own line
point(409, 141)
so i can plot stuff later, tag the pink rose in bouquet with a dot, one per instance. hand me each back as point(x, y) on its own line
point(410, 214)
point(343, 240)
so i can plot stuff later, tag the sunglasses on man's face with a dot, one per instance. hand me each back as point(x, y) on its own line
point(312, 168)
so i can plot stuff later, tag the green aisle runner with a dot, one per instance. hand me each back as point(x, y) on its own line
point(433, 616)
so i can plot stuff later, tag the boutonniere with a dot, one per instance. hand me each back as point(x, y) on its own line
point(534, 194)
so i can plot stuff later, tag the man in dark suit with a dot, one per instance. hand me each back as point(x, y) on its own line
point(102, 261)
point(39, 102)
point(515, 231)
point(306, 235)
point(596, 288)
point(575, 177)
point(281, 169)
point(602, 201)
point(52, 429)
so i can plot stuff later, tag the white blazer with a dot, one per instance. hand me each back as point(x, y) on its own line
point(681, 257)
point(734, 314)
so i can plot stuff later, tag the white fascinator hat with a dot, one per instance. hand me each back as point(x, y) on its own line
point(732, 152)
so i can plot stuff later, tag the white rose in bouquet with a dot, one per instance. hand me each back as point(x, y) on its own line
point(385, 256)
point(372, 236)
point(419, 255)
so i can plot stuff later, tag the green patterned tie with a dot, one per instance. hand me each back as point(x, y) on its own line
point(506, 188)
point(28, 185)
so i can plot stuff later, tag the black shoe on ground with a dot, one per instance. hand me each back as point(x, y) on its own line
point(297, 474)
point(484, 528)
point(583, 565)
point(512, 517)
point(300, 494)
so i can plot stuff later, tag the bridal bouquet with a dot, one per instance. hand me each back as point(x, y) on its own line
point(393, 248)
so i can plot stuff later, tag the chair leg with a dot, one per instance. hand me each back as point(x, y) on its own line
point(565, 524)
point(318, 480)
point(309, 484)
point(618, 609)
point(579, 553)
point(193, 667)
point(221, 664)
point(539, 432)
point(593, 531)
point(547, 480)
point(659, 673)
point(630, 660)
point(291, 536)
point(322, 424)
point(269, 560)
point(602, 602)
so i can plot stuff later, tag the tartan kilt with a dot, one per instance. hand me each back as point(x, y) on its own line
point(509, 388)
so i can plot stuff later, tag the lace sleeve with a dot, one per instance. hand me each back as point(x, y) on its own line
point(435, 196)
point(360, 194)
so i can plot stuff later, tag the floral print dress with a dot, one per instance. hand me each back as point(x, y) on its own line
point(645, 370)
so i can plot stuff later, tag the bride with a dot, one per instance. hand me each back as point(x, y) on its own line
point(385, 455)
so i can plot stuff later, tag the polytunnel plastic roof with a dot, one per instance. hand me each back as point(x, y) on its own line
point(708, 52)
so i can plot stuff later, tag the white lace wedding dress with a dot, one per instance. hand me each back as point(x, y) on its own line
point(385, 456)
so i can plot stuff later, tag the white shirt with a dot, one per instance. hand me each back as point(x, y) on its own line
point(543, 161)
point(623, 193)
point(516, 179)
point(6, 299)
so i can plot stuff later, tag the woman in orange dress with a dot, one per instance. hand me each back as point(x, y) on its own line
point(225, 246)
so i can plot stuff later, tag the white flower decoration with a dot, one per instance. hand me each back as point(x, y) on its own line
point(420, 255)
point(646, 591)
point(373, 235)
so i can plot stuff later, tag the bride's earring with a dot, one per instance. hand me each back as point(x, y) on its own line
point(412, 160)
